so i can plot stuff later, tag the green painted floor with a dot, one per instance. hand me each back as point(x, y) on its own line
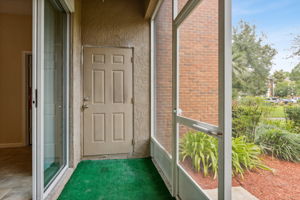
point(130, 179)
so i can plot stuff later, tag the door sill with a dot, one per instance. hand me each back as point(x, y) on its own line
point(113, 156)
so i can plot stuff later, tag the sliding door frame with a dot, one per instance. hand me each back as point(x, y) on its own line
point(40, 192)
point(34, 108)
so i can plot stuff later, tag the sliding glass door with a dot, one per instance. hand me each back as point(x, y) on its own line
point(51, 94)
point(55, 90)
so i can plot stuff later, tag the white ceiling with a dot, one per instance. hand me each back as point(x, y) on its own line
point(20, 7)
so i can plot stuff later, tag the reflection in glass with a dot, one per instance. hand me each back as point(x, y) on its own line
point(54, 91)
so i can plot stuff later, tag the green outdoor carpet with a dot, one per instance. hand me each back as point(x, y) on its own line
point(130, 179)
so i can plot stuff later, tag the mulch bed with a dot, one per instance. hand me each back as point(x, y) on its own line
point(281, 184)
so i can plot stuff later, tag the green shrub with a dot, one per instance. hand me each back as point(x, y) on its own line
point(245, 120)
point(282, 124)
point(293, 113)
point(279, 143)
point(245, 156)
point(246, 115)
point(203, 152)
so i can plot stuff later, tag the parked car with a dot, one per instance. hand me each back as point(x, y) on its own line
point(296, 98)
point(273, 100)
point(286, 101)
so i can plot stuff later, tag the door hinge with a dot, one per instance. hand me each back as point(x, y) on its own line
point(131, 59)
point(133, 142)
point(132, 100)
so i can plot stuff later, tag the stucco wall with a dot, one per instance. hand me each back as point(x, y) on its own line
point(76, 85)
point(121, 23)
point(15, 37)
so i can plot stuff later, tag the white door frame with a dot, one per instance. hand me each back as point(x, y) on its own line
point(223, 131)
point(38, 190)
point(34, 110)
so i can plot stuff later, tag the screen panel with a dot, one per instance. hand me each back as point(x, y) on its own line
point(198, 158)
point(163, 75)
point(180, 5)
point(198, 64)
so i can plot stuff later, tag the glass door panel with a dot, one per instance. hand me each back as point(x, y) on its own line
point(55, 94)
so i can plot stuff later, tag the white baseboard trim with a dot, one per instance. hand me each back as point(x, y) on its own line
point(11, 145)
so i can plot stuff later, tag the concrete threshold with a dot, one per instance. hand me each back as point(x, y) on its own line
point(238, 193)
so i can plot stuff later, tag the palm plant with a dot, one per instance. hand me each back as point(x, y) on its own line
point(203, 152)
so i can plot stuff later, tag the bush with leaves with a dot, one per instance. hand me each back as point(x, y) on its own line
point(284, 88)
point(203, 152)
point(278, 142)
point(293, 113)
point(246, 115)
point(282, 124)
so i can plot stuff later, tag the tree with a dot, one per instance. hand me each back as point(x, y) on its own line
point(284, 89)
point(296, 46)
point(295, 73)
point(279, 76)
point(295, 76)
point(252, 61)
point(297, 88)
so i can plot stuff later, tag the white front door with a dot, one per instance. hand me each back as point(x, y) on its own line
point(107, 101)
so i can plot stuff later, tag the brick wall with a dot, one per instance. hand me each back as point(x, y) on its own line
point(198, 61)
point(163, 36)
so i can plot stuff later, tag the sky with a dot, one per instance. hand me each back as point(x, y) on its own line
point(279, 20)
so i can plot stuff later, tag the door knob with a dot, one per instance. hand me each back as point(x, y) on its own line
point(85, 106)
point(86, 99)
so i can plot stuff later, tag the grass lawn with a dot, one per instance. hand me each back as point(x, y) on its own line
point(277, 112)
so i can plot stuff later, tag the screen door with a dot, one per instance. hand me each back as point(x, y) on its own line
point(202, 99)
point(191, 97)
